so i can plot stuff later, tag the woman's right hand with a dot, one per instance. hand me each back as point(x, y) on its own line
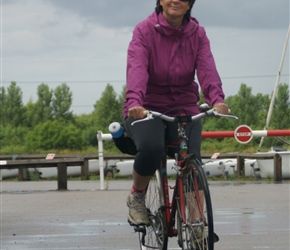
point(136, 112)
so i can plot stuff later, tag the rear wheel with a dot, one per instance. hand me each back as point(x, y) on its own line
point(153, 237)
point(194, 216)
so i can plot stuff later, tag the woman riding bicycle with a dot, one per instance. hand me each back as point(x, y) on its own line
point(166, 51)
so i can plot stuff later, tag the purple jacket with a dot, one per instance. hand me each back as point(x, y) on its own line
point(161, 67)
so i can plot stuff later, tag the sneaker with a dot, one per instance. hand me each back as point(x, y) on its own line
point(202, 245)
point(137, 210)
point(199, 231)
point(200, 234)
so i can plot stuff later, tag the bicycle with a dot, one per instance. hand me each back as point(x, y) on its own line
point(188, 214)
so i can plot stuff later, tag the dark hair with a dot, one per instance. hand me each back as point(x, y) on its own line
point(187, 15)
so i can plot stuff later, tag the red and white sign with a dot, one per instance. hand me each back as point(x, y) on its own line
point(243, 134)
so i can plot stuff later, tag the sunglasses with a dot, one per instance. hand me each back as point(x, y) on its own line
point(186, 0)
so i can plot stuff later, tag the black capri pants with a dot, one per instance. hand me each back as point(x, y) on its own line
point(150, 138)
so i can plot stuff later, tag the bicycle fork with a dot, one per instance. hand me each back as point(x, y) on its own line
point(169, 207)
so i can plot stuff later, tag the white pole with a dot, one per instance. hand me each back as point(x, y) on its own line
point(276, 87)
point(101, 159)
point(102, 137)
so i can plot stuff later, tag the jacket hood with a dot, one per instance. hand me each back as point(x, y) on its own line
point(162, 26)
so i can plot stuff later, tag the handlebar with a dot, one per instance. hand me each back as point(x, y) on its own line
point(187, 118)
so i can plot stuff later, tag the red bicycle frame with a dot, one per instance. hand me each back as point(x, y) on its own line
point(170, 207)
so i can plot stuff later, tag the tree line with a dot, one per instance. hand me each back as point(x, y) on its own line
point(49, 123)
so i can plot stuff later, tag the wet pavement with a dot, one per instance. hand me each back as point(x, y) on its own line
point(34, 215)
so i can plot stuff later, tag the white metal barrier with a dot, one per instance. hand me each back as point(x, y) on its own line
point(243, 134)
point(102, 137)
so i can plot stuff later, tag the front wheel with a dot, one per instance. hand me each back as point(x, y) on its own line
point(154, 237)
point(194, 217)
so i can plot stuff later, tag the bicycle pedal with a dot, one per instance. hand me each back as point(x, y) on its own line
point(138, 228)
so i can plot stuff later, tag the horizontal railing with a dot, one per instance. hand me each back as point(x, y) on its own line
point(62, 163)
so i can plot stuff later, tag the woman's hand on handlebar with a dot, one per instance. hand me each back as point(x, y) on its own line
point(222, 108)
point(136, 112)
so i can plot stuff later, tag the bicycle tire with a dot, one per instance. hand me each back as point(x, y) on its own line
point(154, 237)
point(194, 216)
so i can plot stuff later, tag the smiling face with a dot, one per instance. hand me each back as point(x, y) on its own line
point(174, 11)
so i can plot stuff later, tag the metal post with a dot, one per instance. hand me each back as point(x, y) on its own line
point(102, 137)
point(101, 160)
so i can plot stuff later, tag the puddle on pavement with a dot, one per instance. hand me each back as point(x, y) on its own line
point(241, 221)
point(239, 212)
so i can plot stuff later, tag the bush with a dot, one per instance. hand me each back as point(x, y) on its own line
point(55, 135)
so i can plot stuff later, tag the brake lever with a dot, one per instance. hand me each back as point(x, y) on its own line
point(148, 117)
point(216, 113)
point(141, 120)
point(229, 116)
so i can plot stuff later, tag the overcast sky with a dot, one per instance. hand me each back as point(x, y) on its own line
point(84, 43)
